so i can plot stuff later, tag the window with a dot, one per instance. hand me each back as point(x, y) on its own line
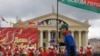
point(59, 35)
point(44, 44)
point(44, 35)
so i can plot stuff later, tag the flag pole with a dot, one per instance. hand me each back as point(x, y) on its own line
point(57, 18)
point(57, 27)
point(58, 46)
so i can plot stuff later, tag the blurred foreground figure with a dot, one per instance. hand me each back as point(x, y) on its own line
point(68, 40)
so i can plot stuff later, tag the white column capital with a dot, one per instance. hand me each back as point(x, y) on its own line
point(41, 30)
point(86, 31)
point(79, 31)
point(49, 30)
point(72, 31)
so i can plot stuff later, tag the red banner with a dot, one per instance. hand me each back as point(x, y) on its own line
point(19, 35)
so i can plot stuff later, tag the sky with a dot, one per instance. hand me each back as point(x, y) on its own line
point(28, 9)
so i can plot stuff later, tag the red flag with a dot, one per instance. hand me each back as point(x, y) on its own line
point(31, 22)
point(20, 22)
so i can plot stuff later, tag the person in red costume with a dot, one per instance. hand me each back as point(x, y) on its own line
point(5, 50)
point(81, 51)
point(41, 51)
point(8, 51)
point(1, 51)
point(30, 50)
point(88, 50)
point(45, 53)
point(21, 51)
point(16, 50)
point(51, 52)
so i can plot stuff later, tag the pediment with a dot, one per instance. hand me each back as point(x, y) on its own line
point(51, 18)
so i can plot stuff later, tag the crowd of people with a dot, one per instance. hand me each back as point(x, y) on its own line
point(50, 51)
point(29, 51)
point(87, 51)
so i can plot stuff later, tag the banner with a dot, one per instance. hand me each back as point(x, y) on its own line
point(18, 35)
point(91, 5)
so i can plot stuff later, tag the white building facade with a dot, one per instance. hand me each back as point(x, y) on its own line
point(79, 30)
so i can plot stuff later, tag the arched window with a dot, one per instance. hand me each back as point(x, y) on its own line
point(52, 21)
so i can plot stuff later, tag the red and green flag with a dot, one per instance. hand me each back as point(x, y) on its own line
point(91, 5)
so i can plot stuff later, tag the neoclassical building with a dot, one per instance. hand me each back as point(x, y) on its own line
point(48, 28)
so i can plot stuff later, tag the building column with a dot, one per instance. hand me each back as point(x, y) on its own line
point(80, 39)
point(41, 38)
point(72, 32)
point(49, 38)
point(86, 38)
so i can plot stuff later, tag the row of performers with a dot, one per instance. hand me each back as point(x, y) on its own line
point(30, 51)
point(88, 50)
